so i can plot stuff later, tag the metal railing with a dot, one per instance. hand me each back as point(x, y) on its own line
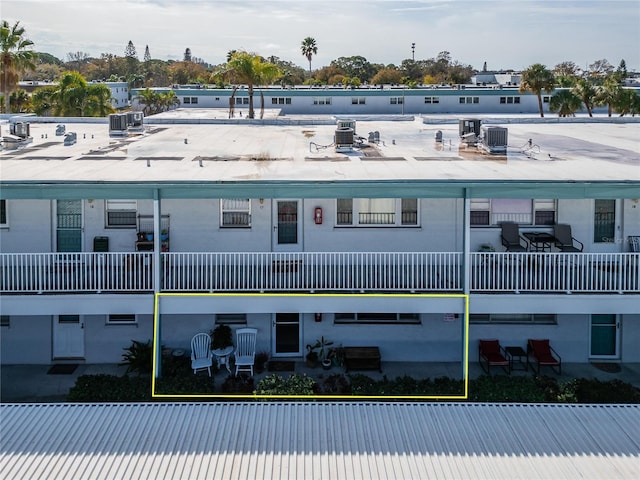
point(490, 272)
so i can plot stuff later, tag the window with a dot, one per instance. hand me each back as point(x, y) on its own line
point(194, 100)
point(396, 100)
point(244, 100)
point(4, 221)
point(524, 211)
point(186, 100)
point(431, 99)
point(527, 318)
point(509, 99)
point(469, 99)
point(235, 212)
point(4, 321)
point(358, 100)
point(407, 318)
point(280, 101)
point(121, 319)
point(377, 212)
point(121, 213)
point(322, 100)
point(231, 318)
point(545, 99)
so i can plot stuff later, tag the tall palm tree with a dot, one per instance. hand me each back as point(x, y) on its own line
point(627, 102)
point(586, 92)
point(535, 79)
point(309, 49)
point(247, 68)
point(268, 73)
point(16, 58)
point(565, 102)
point(98, 101)
point(608, 92)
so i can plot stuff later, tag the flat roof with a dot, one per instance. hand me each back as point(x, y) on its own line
point(301, 150)
point(320, 440)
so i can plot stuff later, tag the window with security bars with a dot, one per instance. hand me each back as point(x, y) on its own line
point(369, 318)
point(235, 213)
point(514, 318)
point(121, 213)
point(377, 212)
point(523, 211)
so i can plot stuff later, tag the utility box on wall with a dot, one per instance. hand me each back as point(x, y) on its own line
point(100, 244)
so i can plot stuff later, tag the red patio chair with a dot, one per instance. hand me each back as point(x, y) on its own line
point(543, 355)
point(491, 353)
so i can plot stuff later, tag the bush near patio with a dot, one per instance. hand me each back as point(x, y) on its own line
point(294, 384)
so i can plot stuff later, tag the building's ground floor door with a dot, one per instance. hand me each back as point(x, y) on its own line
point(605, 336)
point(68, 336)
point(286, 335)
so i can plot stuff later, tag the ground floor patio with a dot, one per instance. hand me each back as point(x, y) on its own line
point(32, 383)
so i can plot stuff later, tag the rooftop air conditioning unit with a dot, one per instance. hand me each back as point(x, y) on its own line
point(118, 124)
point(469, 130)
point(343, 139)
point(135, 121)
point(20, 129)
point(494, 139)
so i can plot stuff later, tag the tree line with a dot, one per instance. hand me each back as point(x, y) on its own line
point(600, 84)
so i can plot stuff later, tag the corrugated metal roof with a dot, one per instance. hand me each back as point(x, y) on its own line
point(319, 441)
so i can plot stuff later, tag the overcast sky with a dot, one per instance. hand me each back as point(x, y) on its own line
point(505, 34)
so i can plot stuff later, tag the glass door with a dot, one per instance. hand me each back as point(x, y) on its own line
point(287, 335)
point(606, 226)
point(605, 336)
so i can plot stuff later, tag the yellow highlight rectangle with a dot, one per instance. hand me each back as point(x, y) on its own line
point(464, 297)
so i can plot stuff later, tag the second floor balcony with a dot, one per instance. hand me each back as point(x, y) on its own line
point(388, 272)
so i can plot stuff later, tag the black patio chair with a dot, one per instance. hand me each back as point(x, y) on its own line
point(564, 240)
point(511, 239)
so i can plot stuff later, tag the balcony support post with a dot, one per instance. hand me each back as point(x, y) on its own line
point(466, 243)
point(157, 249)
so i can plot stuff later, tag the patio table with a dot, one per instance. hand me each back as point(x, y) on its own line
point(222, 356)
point(539, 241)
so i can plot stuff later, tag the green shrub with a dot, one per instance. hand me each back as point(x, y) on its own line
point(335, 385)
point(242, 385)
point(138, 357)
point(584, 390)
point(503, 388)
point(185, 385)
point(295, 384)
point(110, 388)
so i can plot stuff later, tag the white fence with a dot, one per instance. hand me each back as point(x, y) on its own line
point(335, 271)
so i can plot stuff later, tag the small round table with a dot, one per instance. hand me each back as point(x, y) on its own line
point(222, 356)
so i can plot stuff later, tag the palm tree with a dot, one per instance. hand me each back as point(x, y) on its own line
point(268, 73)
point(627, 102)
point(535, 79)
point(249, 69)
point(309, 49)
point(98, 101)
point(16, 58)
point(608, 93)
point(565, 102)
point(586, 92)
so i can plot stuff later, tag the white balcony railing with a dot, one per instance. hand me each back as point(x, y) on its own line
point(335, 271)
point(75, 272)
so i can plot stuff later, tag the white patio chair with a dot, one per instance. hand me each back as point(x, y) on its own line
point(245, 349)
point(201, 356)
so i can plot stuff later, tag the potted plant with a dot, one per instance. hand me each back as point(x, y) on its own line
point(221, 337)
point(164, 235)
point(317, 352)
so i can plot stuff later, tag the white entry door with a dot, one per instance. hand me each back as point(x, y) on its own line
point(286, 335)
point(287, 226)
point(68, 336)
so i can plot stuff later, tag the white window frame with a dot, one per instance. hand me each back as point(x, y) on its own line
point(235, 208)
point(186, 100)
point(4, 205)
point(358, 211)
point(494, 217)
point(431, 100)
point(122, 206)
point(122, 319)
point(377, 318)
point(358, 101)
point(322, 100)
point(396, 100)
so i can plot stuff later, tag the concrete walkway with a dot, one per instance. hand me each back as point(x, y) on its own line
point(32, 383)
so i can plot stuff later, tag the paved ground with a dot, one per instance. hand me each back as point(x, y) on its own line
point(31, 383)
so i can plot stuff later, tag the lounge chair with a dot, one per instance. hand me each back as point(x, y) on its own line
point(539, 352)
point(492, 354)
point(245, 353)
point(201, 356)
point(564, 240)
point(511, 239)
